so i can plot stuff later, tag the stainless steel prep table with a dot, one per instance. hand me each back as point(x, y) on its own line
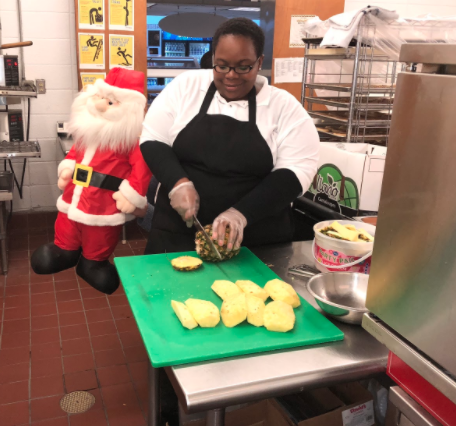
point(211, 386)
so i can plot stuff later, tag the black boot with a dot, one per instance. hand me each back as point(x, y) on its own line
point(100, 274)
point(50, 259)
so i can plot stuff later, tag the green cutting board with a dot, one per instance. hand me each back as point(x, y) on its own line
point(151, 283)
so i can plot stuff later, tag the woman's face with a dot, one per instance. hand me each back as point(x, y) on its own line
point(234, 51)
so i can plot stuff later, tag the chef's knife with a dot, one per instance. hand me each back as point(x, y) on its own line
point(206, 237)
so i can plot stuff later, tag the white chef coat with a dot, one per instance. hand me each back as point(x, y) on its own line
point(282, 121)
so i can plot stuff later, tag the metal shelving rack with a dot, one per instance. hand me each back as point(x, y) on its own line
point(10, 150)
point(360, 80)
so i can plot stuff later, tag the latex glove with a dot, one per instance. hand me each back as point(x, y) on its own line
point(185, 200)
point(236, 221)
point(65, 176)
point(123, 204)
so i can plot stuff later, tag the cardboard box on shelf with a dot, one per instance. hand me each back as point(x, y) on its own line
point(263, 413)
point(342, 405)
point(349, 177)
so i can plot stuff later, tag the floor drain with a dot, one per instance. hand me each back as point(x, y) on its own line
point(77, 402)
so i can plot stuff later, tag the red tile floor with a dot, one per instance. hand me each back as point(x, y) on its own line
point(59, 335)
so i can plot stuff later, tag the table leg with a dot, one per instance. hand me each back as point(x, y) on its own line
point(216, 417)
point(124, 234)
point(3, 218)
point(154, 397)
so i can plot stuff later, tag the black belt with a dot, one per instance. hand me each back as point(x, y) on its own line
point(85, 176)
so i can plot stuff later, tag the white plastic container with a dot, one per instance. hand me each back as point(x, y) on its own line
point(333, 255)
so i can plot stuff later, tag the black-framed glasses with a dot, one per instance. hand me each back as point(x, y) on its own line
point(240, 69)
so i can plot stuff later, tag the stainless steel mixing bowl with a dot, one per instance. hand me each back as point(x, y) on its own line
point(341, 295)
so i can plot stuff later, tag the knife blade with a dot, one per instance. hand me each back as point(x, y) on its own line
point(198, 226)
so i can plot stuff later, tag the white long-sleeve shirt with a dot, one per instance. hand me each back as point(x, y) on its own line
point(283, 122)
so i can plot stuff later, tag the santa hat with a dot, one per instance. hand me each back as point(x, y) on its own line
point(124, 85)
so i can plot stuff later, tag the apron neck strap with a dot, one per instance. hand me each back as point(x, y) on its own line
point(208, 99)
point(210, 95)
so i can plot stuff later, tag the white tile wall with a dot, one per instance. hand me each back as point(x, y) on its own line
point(408, 8)
point(50, 25)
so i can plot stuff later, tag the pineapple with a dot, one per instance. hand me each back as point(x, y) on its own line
point(204, 251)
point(186, 263)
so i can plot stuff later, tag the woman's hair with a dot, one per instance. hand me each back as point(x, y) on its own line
point(241, 27)
point(206, 61)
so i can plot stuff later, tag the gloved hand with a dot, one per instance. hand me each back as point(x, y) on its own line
point(185, 200)
point(236, 221)
point(65, 176)
point(123, 204)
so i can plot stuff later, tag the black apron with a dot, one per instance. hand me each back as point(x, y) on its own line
point(225, 159)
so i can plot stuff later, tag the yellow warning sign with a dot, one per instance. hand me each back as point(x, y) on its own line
point(121, 15)
point(91, 51)
point(121, 51)
point(90, 78)
point(91, 14)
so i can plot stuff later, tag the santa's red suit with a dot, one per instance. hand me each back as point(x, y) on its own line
point(95, 206)
point(109, 180)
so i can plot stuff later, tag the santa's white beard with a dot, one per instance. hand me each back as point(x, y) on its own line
point(117, 129)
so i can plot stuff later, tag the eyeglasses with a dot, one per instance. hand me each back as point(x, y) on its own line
point(240, 69)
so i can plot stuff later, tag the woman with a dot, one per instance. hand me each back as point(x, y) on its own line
point(227, 148)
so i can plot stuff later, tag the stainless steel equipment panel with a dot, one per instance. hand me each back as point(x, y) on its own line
point(412, 285)
point(405, 411)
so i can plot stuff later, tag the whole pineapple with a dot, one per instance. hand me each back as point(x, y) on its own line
point(204, 251)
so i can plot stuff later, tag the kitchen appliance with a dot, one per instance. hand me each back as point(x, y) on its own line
point(412, 285)
point(150, 281)
point(10, 70)
point(11, 126)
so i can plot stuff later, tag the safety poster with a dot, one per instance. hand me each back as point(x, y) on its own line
point(91, 51)
point(121, 15)
point(121, 51)
point(91, 14)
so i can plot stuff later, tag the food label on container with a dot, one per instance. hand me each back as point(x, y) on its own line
point(334, 190)
point(361, 415)
point(330, 258)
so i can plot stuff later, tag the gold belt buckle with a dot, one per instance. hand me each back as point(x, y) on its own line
point(85, 175)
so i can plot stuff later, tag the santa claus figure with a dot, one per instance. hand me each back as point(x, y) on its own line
point(103, 178)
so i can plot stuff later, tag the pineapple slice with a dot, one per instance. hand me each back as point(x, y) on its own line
point(234, 310)
point(255, 311)
point(249, 287)
point(186, 263)
point(364, 235)
point(280, 290)
point(205, 313)
point(225, 289)
point(345, 233)
point(184, 315)
point(279, 316)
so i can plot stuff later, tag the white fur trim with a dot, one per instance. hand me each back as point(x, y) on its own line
point(95, 220)
point(88, 155)
point(132, 195)
point(89, 219)
point(122, 95)
point(66, 164)
point(62, 206)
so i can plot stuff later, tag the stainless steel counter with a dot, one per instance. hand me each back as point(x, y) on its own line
point(217, 384)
